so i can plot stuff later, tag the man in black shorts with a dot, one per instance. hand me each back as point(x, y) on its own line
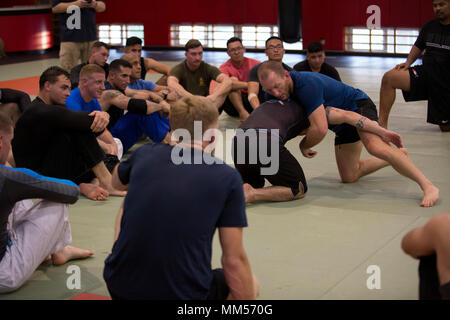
point(317, 92)
point(259, 150)
point(166, 253)
point(429, 81)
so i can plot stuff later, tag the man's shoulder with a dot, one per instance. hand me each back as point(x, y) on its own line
point(302, 66)
point(431, 24)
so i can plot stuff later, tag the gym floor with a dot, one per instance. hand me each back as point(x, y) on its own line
point(319, 247)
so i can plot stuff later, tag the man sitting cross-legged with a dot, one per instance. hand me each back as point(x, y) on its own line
point(142, 115)
point(31, 232)
point(58, 142)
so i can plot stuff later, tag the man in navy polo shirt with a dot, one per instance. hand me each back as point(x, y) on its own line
point(163, 248)
point(76, 38)
point(315, 92)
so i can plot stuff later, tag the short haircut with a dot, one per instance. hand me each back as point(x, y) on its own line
point(269, 66)
point(51, 75)
point(99, 44)
point(233, 39)
point(193, 108)
point(132, 41)
point(129, 57)
point(314, 47)
point(5, 121)
point(272, 38)
point(90, 69)
point(116, 64)
point(191, 44)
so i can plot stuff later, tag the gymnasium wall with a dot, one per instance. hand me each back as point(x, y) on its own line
point(321, 18)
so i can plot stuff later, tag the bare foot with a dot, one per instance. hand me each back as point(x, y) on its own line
point(70, 253)
point(430, 196)
point(405, 151)
point(93, 191)
point(248, 193)
point(115, 193)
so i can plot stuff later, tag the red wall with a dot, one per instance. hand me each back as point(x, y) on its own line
point(158, 15)
point(327, 18)
point(27, 32)
point(321, 18)
point(10, 3)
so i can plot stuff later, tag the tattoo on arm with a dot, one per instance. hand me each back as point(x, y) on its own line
point(111, 94)
point(360, 123)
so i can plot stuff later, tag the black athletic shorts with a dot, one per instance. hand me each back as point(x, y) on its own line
point(426, 85)
point(289, 174)
point(229, 108)
point(348, 133)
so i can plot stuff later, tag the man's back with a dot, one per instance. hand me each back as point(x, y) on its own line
point(170, 216)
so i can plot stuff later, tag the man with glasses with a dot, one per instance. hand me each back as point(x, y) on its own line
point(238, 68)
point(275, 52)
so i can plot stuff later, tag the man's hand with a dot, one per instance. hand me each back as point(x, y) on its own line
point(389, 136)
point(402, 66)
point(165, 108)
point(101, 120)
point(307, 152)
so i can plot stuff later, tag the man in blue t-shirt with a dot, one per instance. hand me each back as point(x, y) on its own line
point(85, 98)
point(315, 92)
point(77, 28)
point(174, 204)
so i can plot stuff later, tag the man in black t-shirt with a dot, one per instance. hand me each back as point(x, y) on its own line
point(134, 46)
point(99, 56)
point(315, 62)
point(55, 141)
point(173, 207)
point(274, 52)
point(429, 81)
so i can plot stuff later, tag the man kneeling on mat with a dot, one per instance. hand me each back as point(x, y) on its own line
point(170, 215)
point(31, 232)
point(259, 150)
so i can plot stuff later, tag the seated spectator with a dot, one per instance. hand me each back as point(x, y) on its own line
point(134, 46)
point(85, 98)
point(99, 56)
point(274, 52)
point(315, 62)
point(238, 69)
point(193, 76)
point(58, 142)
point(142, 116)
point(31, 232)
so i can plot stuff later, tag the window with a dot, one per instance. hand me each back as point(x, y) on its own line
point(388, 40)
point(117, 34)
point(216, 36)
